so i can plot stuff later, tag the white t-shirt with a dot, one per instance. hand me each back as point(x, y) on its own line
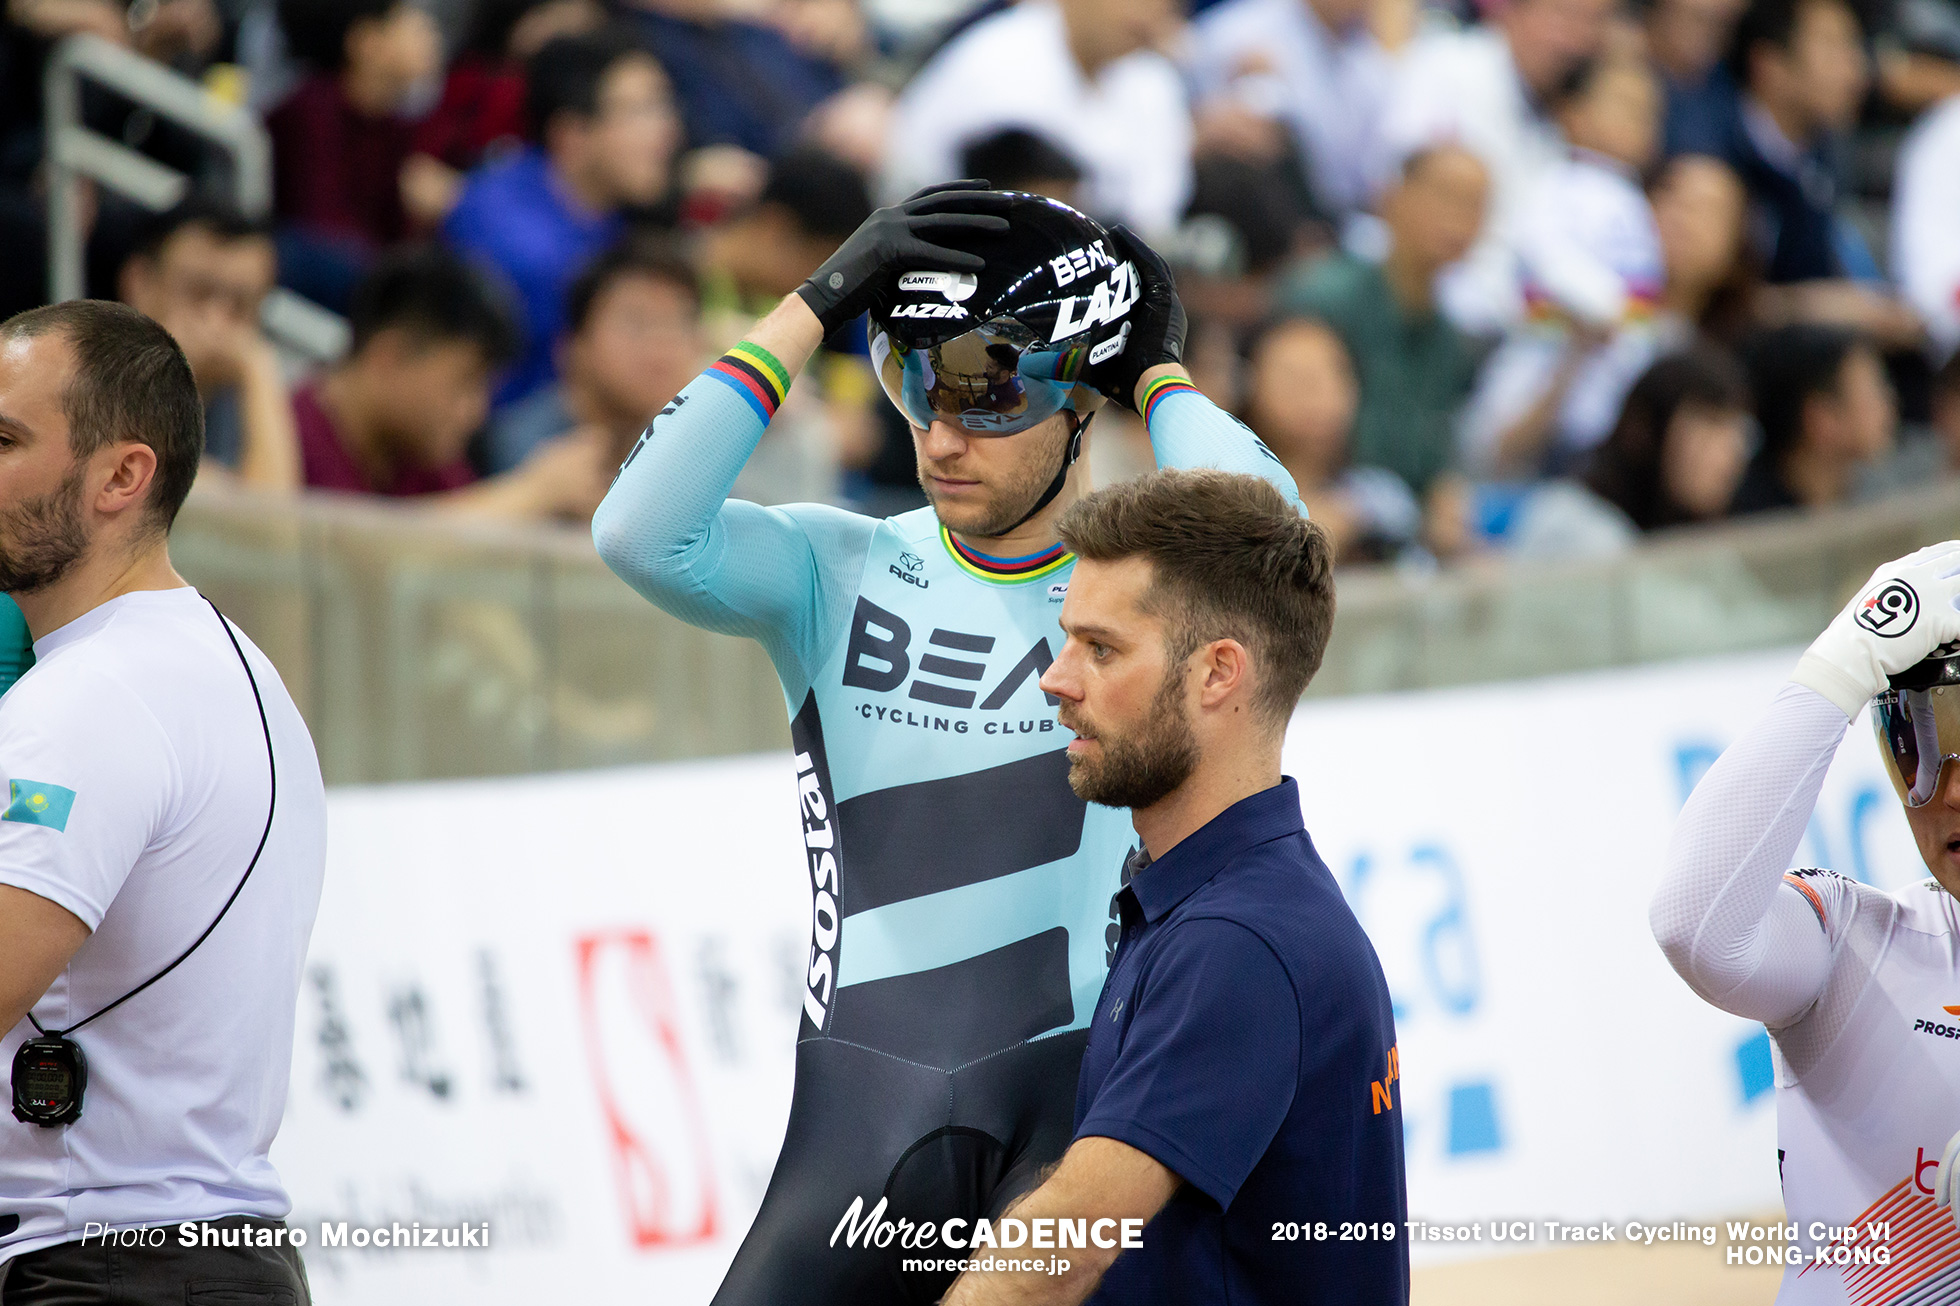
point(1130, 128)
point(138, 789)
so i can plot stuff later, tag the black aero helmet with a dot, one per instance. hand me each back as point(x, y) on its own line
point(1002, 350)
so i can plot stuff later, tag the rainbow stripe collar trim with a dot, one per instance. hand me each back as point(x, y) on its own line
point(1006, 571)
point(753, 372)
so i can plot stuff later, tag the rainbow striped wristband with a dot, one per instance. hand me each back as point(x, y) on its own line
point(1160, 389)
point(753, 372)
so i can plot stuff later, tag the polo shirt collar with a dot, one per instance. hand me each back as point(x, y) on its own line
point(1159, 886)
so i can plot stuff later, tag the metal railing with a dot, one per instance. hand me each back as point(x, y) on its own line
point(420, 647)
point(75, 152)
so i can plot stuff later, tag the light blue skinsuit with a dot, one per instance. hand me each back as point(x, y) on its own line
point(961, 891)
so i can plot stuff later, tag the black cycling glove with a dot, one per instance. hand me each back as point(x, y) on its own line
point(1157, 323)
point(893, 240)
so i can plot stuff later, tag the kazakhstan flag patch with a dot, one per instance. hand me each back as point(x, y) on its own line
point(33, 803)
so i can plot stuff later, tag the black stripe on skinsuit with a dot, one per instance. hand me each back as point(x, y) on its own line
point(824, 865)
point(911, 840)
point(951, 1015)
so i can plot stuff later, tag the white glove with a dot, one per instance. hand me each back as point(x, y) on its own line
point(1906, 610)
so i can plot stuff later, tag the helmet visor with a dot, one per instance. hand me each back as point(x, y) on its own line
point(996, 379)
point(1918, 730)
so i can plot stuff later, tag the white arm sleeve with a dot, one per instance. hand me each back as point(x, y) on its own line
point(1743, 937)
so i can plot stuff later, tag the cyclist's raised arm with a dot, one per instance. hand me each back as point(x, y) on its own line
point(668, 527)
point(1189, 430)
point(1147, 377)
point(1746, 936)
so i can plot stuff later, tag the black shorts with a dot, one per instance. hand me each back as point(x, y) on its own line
point(935, 1143)
point(91, 1273)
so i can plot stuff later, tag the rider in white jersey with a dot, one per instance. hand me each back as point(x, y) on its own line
point(1860, 988)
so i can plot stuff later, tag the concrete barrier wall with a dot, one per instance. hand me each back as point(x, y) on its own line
point(424, 648)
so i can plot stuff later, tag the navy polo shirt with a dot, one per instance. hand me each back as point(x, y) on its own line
point(1244, 1039)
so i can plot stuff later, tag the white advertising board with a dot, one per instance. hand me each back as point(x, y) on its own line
point(565, 1005)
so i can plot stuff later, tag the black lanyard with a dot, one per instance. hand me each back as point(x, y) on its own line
point(272, 771)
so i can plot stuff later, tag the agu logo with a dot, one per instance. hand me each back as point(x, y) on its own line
point(912, 564)
point(1891, 612)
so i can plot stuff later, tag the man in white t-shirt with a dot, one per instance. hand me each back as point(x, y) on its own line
point(161, 850)
point(1083, 74)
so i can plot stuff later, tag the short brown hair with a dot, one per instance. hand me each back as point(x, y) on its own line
point(1233, 560)
point(131, 382)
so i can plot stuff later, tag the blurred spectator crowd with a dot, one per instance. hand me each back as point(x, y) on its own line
point(1524, 277)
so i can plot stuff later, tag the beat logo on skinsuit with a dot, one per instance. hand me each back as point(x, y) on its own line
point(879, 659)
point(1891, 612)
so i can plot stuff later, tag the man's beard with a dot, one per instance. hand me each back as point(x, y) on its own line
point(1146, 766)
point(1011, 504)
point(42, 539)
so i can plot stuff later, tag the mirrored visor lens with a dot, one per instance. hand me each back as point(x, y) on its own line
point(1918, 730)
point(993, 380)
